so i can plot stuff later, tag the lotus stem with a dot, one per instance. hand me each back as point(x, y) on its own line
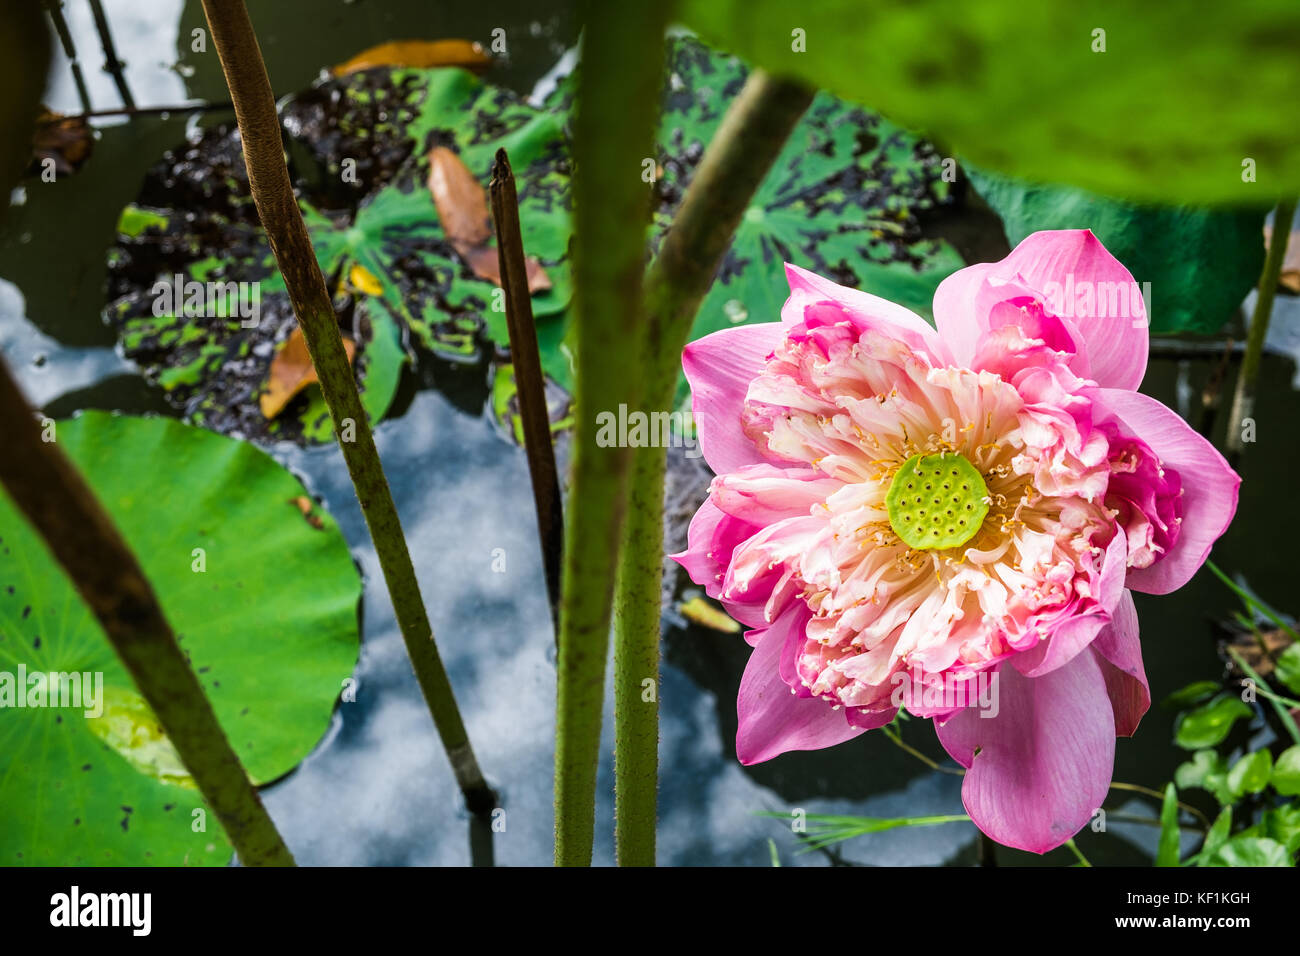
point(49, 490)
point(111, 63)
point(618, 100)
point(268, 179)
point(1243, 398)
point(55, 10)
point(742, 152)
point(529, 380)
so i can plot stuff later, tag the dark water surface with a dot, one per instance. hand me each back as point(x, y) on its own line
point(377, 790)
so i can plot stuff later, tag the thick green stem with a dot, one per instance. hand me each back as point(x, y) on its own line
point(618, 99)
point(50, 491)
point(268, 179)
point(748, 141)
point(1243, 399)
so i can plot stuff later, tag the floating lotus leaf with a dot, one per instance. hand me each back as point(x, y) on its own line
point(844, 198)
point(358, 151)
point(263, 600)
point(1173, 103)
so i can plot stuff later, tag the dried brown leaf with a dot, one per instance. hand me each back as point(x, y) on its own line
point(418, 54)
point(462, 205)
point(291, 372)
point(66, 140)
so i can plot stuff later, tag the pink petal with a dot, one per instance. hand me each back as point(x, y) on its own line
point(1080, 630)
point(954, 310)
point(764, 494)
point(1115, 346)
point(711, 539)
point(1120, 654)
point(1040, 768)
point(772, 719)
point(719, 368)
point(866, 311)
point(1209, 485)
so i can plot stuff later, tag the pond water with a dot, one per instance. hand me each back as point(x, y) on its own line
point(377, 790)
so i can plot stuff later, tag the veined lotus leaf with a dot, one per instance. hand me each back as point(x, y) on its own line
point(263, 600)
point(360, 166)
point(1175, 104)
point(842, 198)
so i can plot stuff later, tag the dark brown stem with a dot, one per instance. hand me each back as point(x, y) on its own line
point(48, 489)
point(268, 180)
point(111, 63)
point(529, 381)
point(55, 10)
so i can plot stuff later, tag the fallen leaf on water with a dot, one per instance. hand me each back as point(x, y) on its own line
point(361, 279)
point(307, 506)
point(66, 140)
point(1248, 645)
point(462, 205)
point(418, 54)
point(1290, 277)
point(702, 611)
point(291, 372)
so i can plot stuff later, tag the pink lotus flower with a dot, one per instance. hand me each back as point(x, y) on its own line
point(894, 502)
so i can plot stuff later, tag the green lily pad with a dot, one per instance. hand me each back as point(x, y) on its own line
point(197, 301)
point(1190, 695)
point(1207, 770)
point(844, 197)
point(1159, 102)
point(1281, 824)
point(505, 404)
point(1286, 772)
point(396, 234)
point(1288, 668)
point(358, 148)
point(263, 600)
point(1209, 723)
point(1215, 837)
point(1200, 262)
point(1250, 774)
point(1168, 845)
point(1243, 850)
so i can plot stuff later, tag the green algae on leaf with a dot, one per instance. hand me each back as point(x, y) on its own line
point(843, 198)
point(358, 149)
point(1177, 104)
point(264, 605)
